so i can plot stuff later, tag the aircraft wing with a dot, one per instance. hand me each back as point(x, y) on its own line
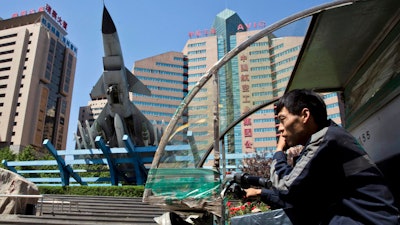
point(98, 90)
point(135, 85)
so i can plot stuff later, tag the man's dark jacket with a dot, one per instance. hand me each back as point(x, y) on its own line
point(333, 182)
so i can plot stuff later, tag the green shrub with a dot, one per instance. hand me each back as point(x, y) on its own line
point(6, 154)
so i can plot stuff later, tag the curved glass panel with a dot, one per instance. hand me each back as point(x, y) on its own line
point(233, 79)
point(253, 77)
point(256, 75)
point(189, 142)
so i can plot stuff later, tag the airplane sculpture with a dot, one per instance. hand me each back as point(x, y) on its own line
point(119, 116)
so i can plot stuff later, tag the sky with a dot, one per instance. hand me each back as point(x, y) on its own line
point(145, 27)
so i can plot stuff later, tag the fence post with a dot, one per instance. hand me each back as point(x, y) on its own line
point(140, 169)
point(111, 162)
point(11, 168)
point(65, 170)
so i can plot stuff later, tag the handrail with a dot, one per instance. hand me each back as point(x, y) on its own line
point(23, 196)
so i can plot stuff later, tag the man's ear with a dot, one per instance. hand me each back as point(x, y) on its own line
point(305, 115)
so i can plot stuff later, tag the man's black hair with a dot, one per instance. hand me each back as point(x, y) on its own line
point(296, 100)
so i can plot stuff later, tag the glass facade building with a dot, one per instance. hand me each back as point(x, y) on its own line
point(37, 69)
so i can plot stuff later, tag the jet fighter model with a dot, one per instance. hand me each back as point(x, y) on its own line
point(119, 116)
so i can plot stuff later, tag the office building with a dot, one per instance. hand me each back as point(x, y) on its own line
point(37, 68)
point(256, 75)
point(166, 76)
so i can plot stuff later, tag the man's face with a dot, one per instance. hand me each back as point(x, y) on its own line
point(291, 127)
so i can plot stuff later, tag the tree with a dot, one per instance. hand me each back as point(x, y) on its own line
point(27, 154)
point(6, 154)
point(258, 165)
point(48, 156)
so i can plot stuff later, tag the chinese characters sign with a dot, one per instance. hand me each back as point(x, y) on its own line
point(53, 13)
point(245, 96)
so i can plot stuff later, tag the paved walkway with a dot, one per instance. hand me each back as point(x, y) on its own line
point(82, 210)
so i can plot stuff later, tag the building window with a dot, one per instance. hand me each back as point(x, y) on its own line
point(197, 44)
point(197, 52)
point(7, 44)
point(7, 52)
point(6, 60)
point(8, 36)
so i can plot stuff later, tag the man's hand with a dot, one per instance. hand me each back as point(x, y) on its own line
point(293, 152)
point(250, 192)
point(281, 144)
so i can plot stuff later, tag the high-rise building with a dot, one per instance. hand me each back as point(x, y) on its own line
point(37, 69)
point(256, 75)
point(166, 76)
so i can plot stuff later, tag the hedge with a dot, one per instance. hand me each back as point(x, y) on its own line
point(117, 191)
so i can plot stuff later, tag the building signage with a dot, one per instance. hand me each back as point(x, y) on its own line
point(240, 27)
point(202, 33)
point(249, 26)
point(57, 18)
point(245, 96)
point(248, 144)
